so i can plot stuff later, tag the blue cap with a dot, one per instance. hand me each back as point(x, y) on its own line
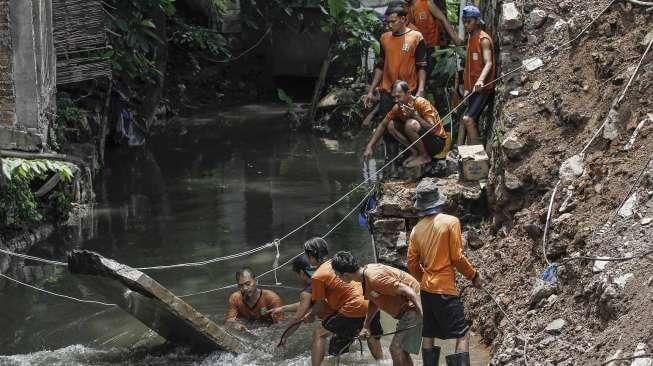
point(470, 11)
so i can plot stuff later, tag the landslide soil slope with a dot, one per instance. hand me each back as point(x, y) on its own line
point(558, 109)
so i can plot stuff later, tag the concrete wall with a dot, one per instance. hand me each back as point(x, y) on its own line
point(27, 73)
point(7, 96)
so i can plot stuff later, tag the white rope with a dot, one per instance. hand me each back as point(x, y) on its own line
point(37, 259)
point(371, 176)
point(273, 270)
point(548, 219)
point(209, 261)
point(56, 294)
point(275, 265)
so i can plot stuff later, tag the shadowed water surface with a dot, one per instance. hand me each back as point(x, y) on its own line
point(184, 201)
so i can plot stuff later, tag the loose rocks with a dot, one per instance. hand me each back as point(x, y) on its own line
point(535, 19)
point(555, 326)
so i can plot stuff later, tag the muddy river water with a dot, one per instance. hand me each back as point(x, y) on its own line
point(181, 200)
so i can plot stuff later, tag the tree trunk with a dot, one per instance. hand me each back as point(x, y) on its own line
point(153, 94)
point(319, 84)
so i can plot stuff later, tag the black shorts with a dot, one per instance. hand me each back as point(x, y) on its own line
point(433, 144)
point(477, 102)
point(444, 316)
point(349, 328)
point(346, 329)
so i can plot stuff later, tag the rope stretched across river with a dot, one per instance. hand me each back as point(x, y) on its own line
point(268, 245)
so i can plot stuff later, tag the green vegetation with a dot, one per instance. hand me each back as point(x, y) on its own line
point(21, 207)
point(354, 28)
point(133, 39)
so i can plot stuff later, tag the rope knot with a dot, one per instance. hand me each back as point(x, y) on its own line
point(275, 265)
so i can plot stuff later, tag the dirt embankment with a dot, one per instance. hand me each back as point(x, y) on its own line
point(589, 314)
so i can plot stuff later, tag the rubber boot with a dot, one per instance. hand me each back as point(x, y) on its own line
point(431, 356)
point(458, 359)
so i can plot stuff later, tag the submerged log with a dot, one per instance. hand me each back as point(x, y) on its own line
point(154, 305)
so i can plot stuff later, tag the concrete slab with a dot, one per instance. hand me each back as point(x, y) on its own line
point(154, 305)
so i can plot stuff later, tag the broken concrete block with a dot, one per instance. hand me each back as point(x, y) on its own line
point(512, 145)
point(397, 200)
point(154, 305)
point(474, 162)
point(621, 280)
point(571, 169)
point(389, 225)
point(555, 326)
point(535, 19)
point(533, 63)
point(628, 208)
point(599, 265)
point(511, 18)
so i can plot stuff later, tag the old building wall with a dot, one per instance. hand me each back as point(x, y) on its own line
point(27, 74)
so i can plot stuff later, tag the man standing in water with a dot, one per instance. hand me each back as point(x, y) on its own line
point(340, 305)
point(393, 291)
point(407, 121)
point(250, 303)
point(479, 73)
point(434, 253)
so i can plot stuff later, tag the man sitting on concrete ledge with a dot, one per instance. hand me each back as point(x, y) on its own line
point(407, 121)
point(252, 304)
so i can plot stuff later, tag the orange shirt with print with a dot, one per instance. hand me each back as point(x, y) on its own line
point(431, 28)
point(434, 251)
point(381, 286)
point(238, 308)
point(424, 108)
point(474, 63)
point(399, 58)
point(341, 297)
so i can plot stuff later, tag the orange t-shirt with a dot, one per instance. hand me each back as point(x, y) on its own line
point(435, 249)
point(424, 108)
point(474, 63)
point(268, 300)
point(421, 16)
point(381, 286)
point(341, 297)
point(400, 58)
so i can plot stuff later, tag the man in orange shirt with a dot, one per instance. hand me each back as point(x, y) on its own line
point(479, 74)
point(340, 305)
point(425, 15)
point(407, 121)
point(403, 57)
point(393, 291)
point(250, 303)
point(434, 254)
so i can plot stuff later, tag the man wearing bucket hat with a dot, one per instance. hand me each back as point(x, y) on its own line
point(434, 254)
point(479, 73)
